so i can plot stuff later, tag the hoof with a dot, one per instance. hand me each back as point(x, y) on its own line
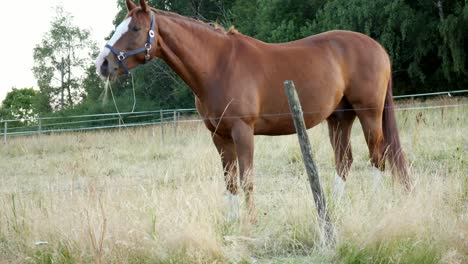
point(233, 207)
point(253, 218)
point(378, 182)
point(338, 188)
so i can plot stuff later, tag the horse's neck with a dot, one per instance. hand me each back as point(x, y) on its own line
point(192, 50)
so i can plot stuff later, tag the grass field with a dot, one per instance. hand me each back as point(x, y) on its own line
point(127, 197)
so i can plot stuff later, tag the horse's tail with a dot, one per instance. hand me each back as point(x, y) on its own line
point(393, 150)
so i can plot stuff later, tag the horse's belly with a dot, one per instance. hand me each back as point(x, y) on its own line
point(278, 126)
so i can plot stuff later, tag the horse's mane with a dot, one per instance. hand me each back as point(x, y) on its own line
point(212, 25)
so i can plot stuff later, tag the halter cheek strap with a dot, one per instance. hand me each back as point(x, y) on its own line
point(122, 56)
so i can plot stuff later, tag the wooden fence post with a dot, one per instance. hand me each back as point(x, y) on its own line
point(120, 123)
point(5, 130)
point(162, 125)
point(39, 126)
point(312, 173)
point(175, 123)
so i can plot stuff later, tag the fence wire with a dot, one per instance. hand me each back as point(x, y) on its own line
point(171, 120)
point(47, 125)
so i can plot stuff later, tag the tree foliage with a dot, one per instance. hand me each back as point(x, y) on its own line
point(60, 61)
point(20, 104)
point(427, 49)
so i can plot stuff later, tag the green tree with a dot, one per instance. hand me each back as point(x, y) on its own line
point(20, 104)
point(93, 85)
point(61, 59)
point(3, 113)
point(454, 32)
point(426, 39)
point(283, 20)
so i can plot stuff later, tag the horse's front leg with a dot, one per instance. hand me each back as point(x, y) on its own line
point(243, 137)
point(227, 151)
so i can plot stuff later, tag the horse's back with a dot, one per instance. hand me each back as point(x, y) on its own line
point(360, 63)
point(346, 47)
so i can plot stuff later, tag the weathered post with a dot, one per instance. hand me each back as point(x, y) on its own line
point(162, 125)
point(39, 128)
point(5, 130)
point(175, 124)
point(312, 173)
point(120, 123)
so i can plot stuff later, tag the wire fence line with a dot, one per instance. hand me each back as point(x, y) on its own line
point(35, 126)
point(449, 93)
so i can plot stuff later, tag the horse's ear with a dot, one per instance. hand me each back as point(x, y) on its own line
point(130, 5)
point(144, 5)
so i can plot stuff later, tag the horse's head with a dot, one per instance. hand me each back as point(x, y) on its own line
point(133, 43)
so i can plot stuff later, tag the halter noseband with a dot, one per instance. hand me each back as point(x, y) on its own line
point(122, 56)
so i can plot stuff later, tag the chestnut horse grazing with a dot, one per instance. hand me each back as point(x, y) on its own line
point(238, 86)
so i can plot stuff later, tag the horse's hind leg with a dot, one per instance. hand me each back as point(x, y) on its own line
point(339, 128)
point(371, 122)
point(340, 124)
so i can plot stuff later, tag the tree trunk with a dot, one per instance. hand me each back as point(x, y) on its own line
point(70, 100)
point(440, 7)
point(196, 6)
point(62, 84)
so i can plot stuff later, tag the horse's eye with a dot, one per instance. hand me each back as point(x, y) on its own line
point(136, 28)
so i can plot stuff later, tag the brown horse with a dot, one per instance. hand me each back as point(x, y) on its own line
point(238, 86)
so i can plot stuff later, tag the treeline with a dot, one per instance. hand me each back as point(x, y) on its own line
point(426, 39)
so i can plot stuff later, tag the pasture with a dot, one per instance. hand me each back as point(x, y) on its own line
point(124, 196)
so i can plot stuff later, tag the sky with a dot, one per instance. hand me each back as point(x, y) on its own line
point(22, 28)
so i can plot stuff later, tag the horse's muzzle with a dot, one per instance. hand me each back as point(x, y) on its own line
point(104, 70)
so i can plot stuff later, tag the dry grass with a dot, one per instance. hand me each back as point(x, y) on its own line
point(124, 196)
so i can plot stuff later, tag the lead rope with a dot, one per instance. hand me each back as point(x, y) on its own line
point(108, 85)
point(134, 94)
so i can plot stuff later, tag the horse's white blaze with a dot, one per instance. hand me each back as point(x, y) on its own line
point(339, 187)
point(119, 32)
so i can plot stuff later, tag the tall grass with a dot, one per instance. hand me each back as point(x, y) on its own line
point(126, 196)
